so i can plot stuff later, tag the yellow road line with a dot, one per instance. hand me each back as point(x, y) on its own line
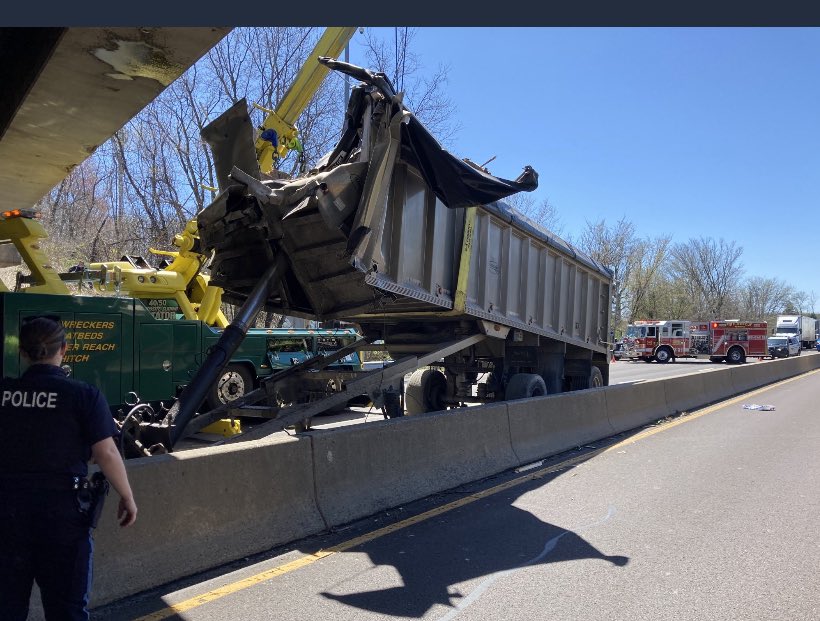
point(308, 559)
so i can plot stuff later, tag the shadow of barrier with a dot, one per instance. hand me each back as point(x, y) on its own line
point(202, 508)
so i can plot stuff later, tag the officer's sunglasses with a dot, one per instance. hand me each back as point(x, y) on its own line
point(30, 318)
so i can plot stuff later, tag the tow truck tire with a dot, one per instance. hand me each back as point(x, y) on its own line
point(425, 392)
point(234, 382)
point(663, 355)
point(735, 356)
point(524, 386)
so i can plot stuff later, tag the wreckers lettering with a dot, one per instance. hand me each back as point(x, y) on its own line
point(88, 325)
point(88, 336)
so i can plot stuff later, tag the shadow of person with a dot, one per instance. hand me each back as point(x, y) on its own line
point(489, 538)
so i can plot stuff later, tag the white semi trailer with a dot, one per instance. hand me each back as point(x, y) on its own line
point(802, 325)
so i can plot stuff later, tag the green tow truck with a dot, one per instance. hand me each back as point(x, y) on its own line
point(144, 348)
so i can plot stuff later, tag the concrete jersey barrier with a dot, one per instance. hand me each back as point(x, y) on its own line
point(202, 508)
point(545, 426)
point(633, 405)
point(367, 468)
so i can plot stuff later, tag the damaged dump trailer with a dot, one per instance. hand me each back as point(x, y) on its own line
point(393, 233)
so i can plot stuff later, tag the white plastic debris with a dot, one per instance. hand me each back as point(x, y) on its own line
point(755, 406)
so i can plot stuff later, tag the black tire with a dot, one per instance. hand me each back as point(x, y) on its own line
point(235, 382)
point(596, 378)
point(524, 386)
point(425, 392)
point(663, 355)
point(735, 356)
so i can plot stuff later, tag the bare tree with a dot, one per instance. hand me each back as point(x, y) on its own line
point(763, 298)
point(647, 260)
point(712, 268)
point(667, 298)
point(544, 213)
point(800, 302)
point(613, 247)
point(424, 94)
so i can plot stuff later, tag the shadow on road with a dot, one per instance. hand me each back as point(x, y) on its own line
point(489, 538)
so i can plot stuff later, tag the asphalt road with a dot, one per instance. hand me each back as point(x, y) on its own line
point(713, 516)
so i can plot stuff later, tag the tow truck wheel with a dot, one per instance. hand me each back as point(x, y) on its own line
point(425, 392)
point(525, 385)
point(234, 382)
point(735, 356)
point(663, 355)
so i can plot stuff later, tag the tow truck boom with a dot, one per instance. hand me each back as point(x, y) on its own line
point(278, 133)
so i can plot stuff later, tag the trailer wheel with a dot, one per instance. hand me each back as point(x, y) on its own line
point(525, 385)
point(596, 378)
point(663, 355)
point(735, 356)
point(234, 382)
point(425, 392)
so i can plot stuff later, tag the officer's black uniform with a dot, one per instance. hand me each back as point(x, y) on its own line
point(49, 423)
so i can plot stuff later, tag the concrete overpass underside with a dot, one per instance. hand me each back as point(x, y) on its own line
point(67, 90)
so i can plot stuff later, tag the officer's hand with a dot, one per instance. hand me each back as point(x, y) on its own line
point(127, 512)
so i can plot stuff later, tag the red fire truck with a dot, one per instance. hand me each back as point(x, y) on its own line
point(729, 340)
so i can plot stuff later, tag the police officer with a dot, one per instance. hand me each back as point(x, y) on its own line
point(50, 426)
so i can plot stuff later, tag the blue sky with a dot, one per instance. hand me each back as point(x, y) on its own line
point(689, 131)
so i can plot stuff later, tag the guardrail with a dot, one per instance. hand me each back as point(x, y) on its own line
point(205, 507)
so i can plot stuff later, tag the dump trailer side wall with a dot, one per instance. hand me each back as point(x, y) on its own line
point(519, 276)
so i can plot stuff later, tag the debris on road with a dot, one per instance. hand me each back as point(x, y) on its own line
point(755, 406)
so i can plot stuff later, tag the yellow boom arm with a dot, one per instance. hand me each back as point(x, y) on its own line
point(278, 133)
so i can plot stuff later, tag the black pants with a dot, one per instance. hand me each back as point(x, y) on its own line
point(44, 539)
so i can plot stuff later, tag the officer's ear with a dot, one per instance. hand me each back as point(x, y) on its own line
point(63, 348)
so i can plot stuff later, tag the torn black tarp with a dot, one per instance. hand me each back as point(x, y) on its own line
point(454, 181)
